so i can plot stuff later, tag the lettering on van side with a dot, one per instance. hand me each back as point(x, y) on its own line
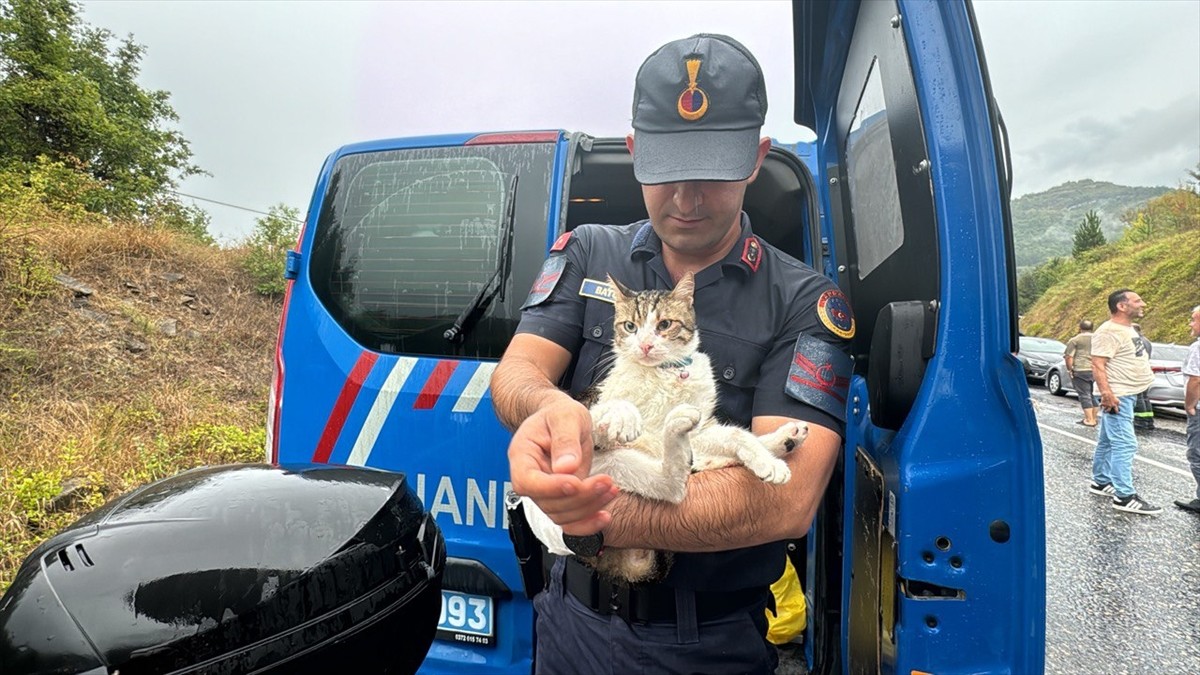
point(480, 507)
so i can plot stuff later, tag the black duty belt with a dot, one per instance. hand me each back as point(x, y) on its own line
point(646, 603)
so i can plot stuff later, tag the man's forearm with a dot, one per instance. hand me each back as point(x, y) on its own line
point(1100, 374)
point(519, 389)
point(730, 508)
point(1191, 394)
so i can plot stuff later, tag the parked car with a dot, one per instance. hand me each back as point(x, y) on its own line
point(1037, 355)
point(1166, 361)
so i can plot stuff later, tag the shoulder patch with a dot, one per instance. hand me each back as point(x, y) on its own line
point(600, 290)
point(834, 311)
point(819, 376)
point(547, 280)
point(752, 253)
point(561, 242)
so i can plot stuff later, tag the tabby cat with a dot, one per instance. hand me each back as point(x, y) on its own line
point(653, 421)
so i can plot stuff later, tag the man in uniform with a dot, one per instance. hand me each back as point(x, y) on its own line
point(776, 333)
point(1191, 405)
point(1078, 358)
point(1122, 370)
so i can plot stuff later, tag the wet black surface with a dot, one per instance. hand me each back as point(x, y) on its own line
point(1122, 590)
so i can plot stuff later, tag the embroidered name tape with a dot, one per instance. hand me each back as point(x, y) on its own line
point(600, 290)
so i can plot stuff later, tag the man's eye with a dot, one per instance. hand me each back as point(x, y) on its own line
point(664, 324)
point(629, 327)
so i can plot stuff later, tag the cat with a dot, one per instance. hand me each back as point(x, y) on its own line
point(652, 421)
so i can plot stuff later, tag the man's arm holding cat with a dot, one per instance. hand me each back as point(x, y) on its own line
point(731, 508)
point(553, 430)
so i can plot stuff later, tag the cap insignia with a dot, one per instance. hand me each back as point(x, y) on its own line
point(693, 102)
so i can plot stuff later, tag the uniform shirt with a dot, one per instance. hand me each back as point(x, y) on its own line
point(1128, 366)
point(769, 324)
point(1079, 348)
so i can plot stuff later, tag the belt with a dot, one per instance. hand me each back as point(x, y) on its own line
point(647, 603)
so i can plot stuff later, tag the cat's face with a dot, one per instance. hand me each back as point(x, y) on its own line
point(655, 327)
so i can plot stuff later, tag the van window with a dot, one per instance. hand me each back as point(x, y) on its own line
point(407, 240)
point(874, 197)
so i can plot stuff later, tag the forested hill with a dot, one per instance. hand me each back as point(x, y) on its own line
point(1044, 222)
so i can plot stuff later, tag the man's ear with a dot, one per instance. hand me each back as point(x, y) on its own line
point(764, 146)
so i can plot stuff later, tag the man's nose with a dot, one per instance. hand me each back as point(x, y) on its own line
point(688, 196)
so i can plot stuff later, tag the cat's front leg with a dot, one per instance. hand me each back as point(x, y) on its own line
point(615, 423)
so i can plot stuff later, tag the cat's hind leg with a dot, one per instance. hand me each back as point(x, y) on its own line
point(786, 438)
point(720, 446)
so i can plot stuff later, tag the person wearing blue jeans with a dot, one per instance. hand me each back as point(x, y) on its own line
point(1121, 366)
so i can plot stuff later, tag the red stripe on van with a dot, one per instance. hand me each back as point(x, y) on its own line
point(341, 408)
point(435, 384)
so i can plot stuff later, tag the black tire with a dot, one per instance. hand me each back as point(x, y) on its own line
point(1054, 383)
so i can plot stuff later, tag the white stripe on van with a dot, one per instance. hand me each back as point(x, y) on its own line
point(473, 393)
point(379, 411)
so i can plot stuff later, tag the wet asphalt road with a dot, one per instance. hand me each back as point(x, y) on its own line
point(1122, 590)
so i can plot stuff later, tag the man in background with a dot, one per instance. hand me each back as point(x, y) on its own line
point(1078, 356)
point(1143, 412)
point(1191, 397)
point(1121, 367)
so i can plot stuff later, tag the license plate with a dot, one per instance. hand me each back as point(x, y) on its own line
point(467, 619)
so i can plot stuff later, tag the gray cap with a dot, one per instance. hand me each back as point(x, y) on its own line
point(698, 107)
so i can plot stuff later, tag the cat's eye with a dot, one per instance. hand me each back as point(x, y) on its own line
point(664, 324)
point(629, 327)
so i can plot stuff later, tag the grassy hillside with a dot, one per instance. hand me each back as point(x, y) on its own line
point(1164, 270)
point(1044, 223)
point(165, 365)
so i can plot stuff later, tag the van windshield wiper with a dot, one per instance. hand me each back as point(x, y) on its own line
point(494, 286)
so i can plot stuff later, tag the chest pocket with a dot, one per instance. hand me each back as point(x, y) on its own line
point(597, 341)
point(736, 364)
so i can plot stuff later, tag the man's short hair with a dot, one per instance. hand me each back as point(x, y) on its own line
point(1117, 297)
point(1085, 325)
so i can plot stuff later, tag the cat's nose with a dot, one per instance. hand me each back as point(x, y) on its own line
point(645, 349)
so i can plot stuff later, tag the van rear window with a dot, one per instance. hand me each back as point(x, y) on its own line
point(407, 240)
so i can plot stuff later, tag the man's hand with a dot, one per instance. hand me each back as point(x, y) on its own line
point(550, 457)
point(1109, 402)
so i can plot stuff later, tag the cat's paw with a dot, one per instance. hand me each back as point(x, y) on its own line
point(774, 471)
point(619, 421)
point(682, 419)
point(786, 438)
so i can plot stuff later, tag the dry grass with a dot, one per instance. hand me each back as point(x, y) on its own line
point(100, 390)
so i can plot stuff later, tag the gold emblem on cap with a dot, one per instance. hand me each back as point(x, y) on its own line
point(693, 102)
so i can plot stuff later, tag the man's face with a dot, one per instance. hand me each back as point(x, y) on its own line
point(696, 218)
point(1195, 324)
point(1132, 306)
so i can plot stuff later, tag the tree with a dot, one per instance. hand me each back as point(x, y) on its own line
point(267, 247)
point(1088, 235)
point(69, 95)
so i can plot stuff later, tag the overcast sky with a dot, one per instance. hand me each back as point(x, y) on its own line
point(1108, 90)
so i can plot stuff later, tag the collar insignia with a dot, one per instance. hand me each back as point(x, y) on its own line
point(693, 102)
point(561, 242)
point(752, 253)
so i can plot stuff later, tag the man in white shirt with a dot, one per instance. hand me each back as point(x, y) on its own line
point(1191, 397)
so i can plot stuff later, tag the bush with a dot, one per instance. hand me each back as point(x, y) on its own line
point(274, 234)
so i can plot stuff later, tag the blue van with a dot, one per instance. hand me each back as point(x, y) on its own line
point(928, 553)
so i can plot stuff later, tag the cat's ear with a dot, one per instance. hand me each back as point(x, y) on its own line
point(619, 286)
point(686, 287)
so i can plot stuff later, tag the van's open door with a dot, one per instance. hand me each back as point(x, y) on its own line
point(941, 492)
